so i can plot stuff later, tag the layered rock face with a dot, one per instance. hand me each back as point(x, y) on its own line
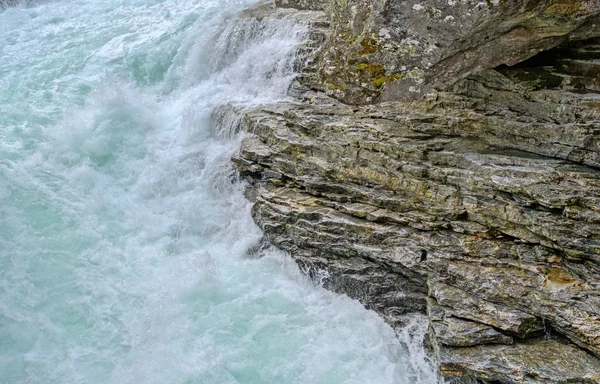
point(478, 204)
point(383, 50)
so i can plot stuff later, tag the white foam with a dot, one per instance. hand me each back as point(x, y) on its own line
point(123, 233)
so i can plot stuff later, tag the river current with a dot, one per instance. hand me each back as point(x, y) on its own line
point(124, 234)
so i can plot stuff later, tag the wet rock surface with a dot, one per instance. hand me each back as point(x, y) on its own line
point(542, 361)
point(313, 5)
point(478, 205)
point(394, 204)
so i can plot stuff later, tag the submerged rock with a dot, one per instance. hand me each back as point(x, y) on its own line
point(478, 204)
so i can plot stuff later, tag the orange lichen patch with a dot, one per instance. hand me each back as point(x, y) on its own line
point(558, 278)
point(571, 8)
point(369, 47)
point(447, 372)
point(480, 236)
point(453, 370)
point(554, 259)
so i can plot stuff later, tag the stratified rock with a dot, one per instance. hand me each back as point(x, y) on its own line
point(478, 204)
point(456, 332)
point(458, 303)
point(376, 201)
point(536, 362)
point(386, 50)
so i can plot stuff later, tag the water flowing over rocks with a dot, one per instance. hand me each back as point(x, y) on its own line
point(12, 3)
point(474, 197)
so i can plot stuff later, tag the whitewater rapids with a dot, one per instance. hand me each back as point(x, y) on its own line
point(124, 234)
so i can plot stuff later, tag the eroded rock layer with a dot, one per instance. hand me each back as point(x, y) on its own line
point(478, 205)
point(382, 50)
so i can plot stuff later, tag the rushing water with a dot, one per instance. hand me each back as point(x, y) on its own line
point(123, 239)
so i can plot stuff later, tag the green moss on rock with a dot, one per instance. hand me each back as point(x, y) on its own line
point(378, 82)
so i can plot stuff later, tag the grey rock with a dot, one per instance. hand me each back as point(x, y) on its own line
point(377, 201)
point(478, 204)
point(387, 50)
point(541, 361)
point(314, 5)
point(384, 186)
point(458, 303)
point(456, 332)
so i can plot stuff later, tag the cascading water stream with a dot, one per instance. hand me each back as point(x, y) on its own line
point(123, 236)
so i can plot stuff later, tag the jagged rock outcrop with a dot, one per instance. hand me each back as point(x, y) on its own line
point(382, 50)
point(478, 204)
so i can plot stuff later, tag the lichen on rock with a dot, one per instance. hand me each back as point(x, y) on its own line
point(435, 43)
point(477, 202)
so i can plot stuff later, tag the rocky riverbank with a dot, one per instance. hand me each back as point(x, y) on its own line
point(444, 158)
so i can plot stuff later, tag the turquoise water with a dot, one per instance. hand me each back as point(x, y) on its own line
point(123, 235)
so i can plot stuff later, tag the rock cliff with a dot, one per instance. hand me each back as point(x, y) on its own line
point(382, 50)
point(458, 178)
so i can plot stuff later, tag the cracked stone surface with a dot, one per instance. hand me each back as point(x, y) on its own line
point(385, 50)
point(478, 204)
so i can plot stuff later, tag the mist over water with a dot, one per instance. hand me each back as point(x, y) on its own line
point(124, 236)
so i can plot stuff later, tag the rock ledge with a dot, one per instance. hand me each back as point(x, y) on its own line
point(478, 204)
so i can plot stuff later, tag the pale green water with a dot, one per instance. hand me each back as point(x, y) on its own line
point(123, 241)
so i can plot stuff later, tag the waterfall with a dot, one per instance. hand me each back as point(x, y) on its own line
point(124, 237)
